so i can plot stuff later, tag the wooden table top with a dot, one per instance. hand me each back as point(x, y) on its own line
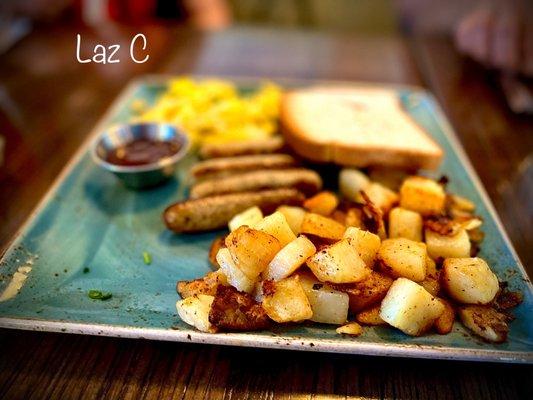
point(49, 103)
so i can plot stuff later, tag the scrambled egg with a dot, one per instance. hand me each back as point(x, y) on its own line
point(213, 111)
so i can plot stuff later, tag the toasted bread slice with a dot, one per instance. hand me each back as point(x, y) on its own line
point(355, 127)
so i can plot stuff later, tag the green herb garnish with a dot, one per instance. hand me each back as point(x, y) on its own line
point(147, 258)
point(86, 270)
point(99, 295)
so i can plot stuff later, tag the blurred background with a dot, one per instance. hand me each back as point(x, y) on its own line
point(497, 33)
point(476, 56)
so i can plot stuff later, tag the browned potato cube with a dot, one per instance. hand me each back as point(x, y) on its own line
point(234, 275)
point(432, 281)
point(405, 223)
point(232, 310)
point(366, 243)
point(329, 306)
point(403, 258)
point(381, 196)
point(216, 245)
point(370, 316)
point(206, 285)
point(276, 225)
point(289, 259)
point(322, 203)
point(194, 310)
point(469, 280)
point(448, 246)
point(354, 217)
point(294, 216)
point(462, 203)
point(248, 217)
point(444, 324)
point(432, 285)
point(251, 250)
point(410, 308)
point(391, 178)
point(368, 292)
point(339, 263)
point(422, 195)
point(323, 227)
point(286, 301)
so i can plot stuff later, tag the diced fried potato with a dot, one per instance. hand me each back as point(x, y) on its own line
point(476, 236)
point(322, 203)
point(432, 285)
point(485, 322)
point(216, 245)
point(405, 223)
point(236, 311)
point(422, 195)
point(329, 306)
point(469, 280)
point(402, 257)
point(432, 281)
point(286, 301)
point(206, 285)
point(390, 178)
point(290, 258)
point(370, 316)
point(366, 293)
point(431, 267)
point(381, 196)
point(307, 279)
point(339, 216)
point(351, 182)
point(277, 226)
point(252, 250)
point(323, 227)
point(443, 246)
point(248, 217)
point(294, 217)
point(339, 263)
point(194, 311)
point(471, 224)
point(462, 203)
point(365, 243)
point(352, 329)
point(354, 217)
point(236, 278)
point(444, 324)
point(410, 308)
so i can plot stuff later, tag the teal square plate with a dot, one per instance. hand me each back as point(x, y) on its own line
point(90, 232)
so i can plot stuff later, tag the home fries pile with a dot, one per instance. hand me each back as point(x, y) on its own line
point(392, 248)
point(376, 256)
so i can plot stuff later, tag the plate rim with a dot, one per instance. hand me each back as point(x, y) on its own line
point(242, 339)
point(273, 341)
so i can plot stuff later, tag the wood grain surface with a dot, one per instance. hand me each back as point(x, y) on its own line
point(49, 103)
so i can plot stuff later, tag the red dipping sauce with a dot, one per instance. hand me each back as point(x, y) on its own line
point(142, 152)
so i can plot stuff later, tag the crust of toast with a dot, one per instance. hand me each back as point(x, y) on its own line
point(352, 155)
